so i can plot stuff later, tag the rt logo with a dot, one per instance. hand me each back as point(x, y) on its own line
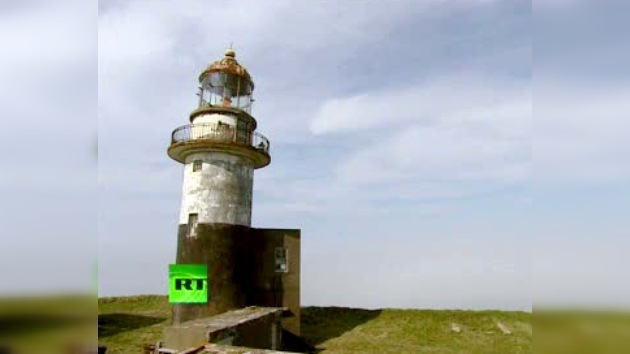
point(187, 284)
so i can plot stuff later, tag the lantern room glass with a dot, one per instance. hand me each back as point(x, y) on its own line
point(220, 89)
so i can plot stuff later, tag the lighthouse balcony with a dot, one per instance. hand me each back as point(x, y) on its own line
point(220, 137)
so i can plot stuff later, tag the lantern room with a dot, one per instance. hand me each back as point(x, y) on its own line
point(223, 121)
point(226, 83)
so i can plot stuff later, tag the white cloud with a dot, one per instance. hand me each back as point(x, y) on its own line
point(432, 154)
point(450, 101)
point(153, 50)
point(581, 132)
point(448, 138)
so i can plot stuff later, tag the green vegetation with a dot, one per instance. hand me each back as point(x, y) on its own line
point(47, 324)
point(127, 323)
point(582, 331)
point(342, 330)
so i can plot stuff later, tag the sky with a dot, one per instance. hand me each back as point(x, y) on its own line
point(402, 142)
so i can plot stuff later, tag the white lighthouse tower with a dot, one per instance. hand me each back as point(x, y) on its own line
point(220, 151)
point(220, 148)
point(247, 266)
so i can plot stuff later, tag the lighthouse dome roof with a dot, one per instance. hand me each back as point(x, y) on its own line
point(228, 64)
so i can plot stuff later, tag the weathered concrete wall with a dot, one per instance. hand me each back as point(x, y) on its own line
point(265, 333)
point(255, 327)
point(241, 270)
point(225, 249)
point(291, 281)
point(221, 192)
point(271, 288)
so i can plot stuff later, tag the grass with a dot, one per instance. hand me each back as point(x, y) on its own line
point(342, 330)
point(50, 324)
point(127, 323)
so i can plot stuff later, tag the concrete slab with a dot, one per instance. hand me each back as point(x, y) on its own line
point(258, 327)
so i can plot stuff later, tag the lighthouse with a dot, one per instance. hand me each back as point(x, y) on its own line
point(219, 151)
point(220, 148)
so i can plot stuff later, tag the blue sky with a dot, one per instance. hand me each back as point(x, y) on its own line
point(402, 142)
point(386, 149)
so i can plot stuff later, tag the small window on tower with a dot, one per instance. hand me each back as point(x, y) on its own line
point(192, 224)
point(282, 264)
point(197, 165)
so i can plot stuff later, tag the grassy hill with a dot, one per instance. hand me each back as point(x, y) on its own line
point(47, 324)
point(126, 323)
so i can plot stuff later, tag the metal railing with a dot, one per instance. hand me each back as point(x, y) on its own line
point(219, 132)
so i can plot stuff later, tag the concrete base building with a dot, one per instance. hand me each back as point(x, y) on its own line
point(220, 150)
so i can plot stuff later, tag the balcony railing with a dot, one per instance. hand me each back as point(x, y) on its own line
point(221, 133)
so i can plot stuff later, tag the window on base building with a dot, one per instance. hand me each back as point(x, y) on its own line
point(192, 224)
point(197, 165)
point(281, 258)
